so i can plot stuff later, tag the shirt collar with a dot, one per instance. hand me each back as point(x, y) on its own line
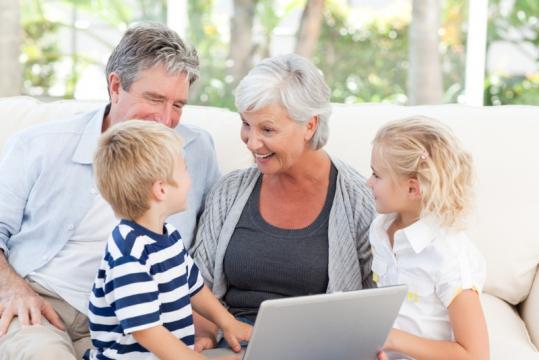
point(84, 152)
point(421, 233)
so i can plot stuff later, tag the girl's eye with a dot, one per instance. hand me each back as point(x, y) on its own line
point(243, 123)
point(267, 130)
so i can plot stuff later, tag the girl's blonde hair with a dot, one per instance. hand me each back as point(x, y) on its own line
point(130, 157)
point(425, 149)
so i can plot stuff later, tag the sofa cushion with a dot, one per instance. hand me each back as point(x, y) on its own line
point(508, 337)
point(530, 311)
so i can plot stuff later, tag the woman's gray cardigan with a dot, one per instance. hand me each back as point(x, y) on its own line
point(349, 263)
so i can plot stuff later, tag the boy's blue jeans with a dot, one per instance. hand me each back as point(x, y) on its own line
point(223, 344)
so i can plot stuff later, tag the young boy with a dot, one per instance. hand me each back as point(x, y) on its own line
point(140, 305)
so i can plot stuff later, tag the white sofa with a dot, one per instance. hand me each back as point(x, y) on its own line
point(505, 144)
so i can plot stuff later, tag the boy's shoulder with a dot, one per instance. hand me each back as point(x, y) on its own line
point(130, 239)
point(127, 240)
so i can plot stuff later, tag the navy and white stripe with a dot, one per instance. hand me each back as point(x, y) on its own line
point(145, 279)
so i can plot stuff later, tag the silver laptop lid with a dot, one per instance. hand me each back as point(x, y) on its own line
point(348, 325)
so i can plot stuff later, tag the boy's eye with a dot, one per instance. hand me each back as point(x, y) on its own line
point(267, 130)
point(244, 123)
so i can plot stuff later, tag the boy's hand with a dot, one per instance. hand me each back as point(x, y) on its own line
point(204, 342)
point(236, 331)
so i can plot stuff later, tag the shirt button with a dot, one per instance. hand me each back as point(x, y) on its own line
point(70, 227)
point(93, 191)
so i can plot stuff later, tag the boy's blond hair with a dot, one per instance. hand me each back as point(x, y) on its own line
point(425, 149)
point(130, 157)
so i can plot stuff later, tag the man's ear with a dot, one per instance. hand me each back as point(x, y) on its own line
point(114, 87)
point(414, 189)
point(158, 190)
point(311, 126)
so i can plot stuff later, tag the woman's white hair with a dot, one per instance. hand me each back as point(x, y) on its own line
point(292, 82)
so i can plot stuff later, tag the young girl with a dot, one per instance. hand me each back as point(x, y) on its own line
point(422, 185)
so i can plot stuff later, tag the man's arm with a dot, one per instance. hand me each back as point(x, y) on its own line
point(16, 296)
point(18, 299)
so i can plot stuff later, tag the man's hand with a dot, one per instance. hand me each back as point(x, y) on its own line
point(236, 331)
point(18, 299)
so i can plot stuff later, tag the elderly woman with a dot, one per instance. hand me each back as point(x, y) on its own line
point(297, 222)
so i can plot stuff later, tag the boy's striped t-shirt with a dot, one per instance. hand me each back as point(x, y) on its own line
point(145, 279)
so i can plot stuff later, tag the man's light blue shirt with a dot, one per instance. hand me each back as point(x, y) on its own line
point(47, 186)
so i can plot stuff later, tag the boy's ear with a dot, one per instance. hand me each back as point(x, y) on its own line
point(158, 190)
point(414, 189)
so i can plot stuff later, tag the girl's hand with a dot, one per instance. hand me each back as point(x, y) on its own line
point(391, 340)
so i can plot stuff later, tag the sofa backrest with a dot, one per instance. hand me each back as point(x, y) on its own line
point(503, 140)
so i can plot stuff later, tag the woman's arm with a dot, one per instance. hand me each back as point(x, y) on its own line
point(469, 328)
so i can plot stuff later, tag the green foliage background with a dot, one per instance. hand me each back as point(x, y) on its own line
point(360, 64)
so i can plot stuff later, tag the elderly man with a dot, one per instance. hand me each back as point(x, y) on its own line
point(53, 222)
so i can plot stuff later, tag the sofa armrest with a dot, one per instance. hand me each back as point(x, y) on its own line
point(530, 311)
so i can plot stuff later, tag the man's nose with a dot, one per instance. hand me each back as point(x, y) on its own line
point(166, 116)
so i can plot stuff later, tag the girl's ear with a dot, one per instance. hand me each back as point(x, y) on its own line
point(158, 190)
point(414, 189)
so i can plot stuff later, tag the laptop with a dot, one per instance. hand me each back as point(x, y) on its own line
point(345, 325)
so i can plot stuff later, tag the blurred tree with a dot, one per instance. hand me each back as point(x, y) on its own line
point(366, 63)
point(516, 22)
point(241, 38)
point(10, 43)
point(309, 28)
point(424, 72)
point(40, 51)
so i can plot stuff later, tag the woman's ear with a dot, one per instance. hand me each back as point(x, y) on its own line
point(158, 190)
point(311, 127)
point(414, 189)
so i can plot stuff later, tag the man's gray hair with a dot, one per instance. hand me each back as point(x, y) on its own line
point(292, 82)
point(146, 45)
